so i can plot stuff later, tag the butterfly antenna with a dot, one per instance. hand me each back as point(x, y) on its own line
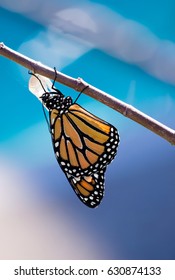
point(80, 93)
point(46, 117)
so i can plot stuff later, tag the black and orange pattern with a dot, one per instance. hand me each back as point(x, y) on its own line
point(83, 144)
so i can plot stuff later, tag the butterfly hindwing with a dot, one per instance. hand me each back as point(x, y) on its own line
point(89, 189)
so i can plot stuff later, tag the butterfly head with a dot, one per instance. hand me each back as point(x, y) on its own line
point(52, 99)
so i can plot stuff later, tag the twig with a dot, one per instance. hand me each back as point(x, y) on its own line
point(78, 84)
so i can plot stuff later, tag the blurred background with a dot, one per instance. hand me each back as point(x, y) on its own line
point(127, 49)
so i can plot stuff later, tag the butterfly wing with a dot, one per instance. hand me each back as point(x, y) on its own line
point(84, 145)
point(89, 189)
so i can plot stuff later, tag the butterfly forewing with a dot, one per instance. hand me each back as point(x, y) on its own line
point(82, 142)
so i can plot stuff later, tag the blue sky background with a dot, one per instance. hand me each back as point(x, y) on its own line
point(125, 48)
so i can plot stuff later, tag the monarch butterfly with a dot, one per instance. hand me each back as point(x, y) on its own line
point(83, 144)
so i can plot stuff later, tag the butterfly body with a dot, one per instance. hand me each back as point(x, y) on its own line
point(83, 144)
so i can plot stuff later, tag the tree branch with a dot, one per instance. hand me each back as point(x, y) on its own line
point(78, 84)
